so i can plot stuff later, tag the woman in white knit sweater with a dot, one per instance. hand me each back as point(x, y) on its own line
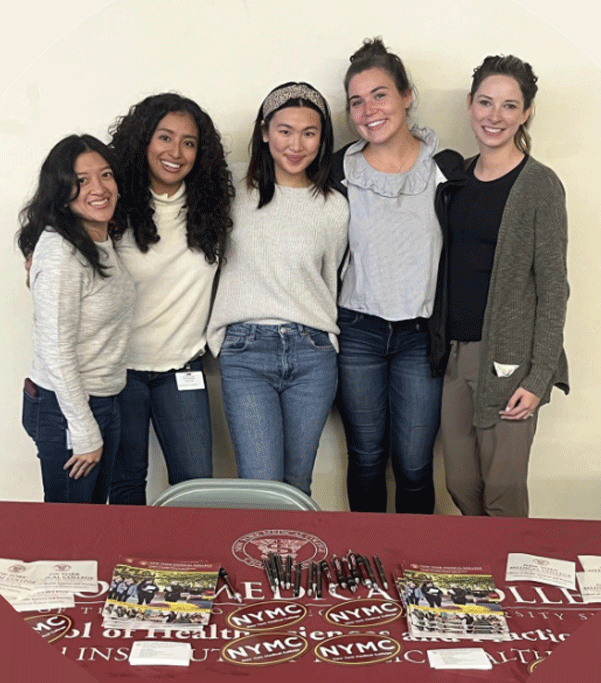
point(176, 192)
point(83, 302)
point(274, 317)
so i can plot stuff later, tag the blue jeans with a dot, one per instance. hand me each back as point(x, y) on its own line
point(390, 406)
point(47, 426)
point(278, 384)
point(181, 421)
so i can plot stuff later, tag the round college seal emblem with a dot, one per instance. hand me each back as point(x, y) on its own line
point(253, 547)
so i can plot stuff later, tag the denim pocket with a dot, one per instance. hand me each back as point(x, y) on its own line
point(31, 415)
point(347, 317)
point(52, 424)
point(234, 343)
point(320, 340)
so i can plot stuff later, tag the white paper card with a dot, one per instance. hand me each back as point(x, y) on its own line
point(459, 658)
point(590, 563)
point(189, 380)
point(590, 586)
point(36, 601)
point(16, 577)
point(167, 654)
point(72, 575)
point(524, 567)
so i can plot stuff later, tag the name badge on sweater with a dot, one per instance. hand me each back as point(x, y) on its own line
point(189, 380)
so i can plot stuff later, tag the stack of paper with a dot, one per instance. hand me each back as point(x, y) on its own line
point(46, 584)
point(459, 658)
point(160, 654)
point(451, 602)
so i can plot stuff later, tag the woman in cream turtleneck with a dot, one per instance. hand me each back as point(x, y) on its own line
point(177, 192)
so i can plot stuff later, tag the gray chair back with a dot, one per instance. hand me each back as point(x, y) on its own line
point(236, 493)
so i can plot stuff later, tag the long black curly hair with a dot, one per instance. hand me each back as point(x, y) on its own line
point(209, 188)
point(57, 188)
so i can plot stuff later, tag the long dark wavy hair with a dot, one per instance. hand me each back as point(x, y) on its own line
point(57, 187)
point(209, 189)
point(261, 169)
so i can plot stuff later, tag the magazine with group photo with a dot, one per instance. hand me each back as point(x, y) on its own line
point(452, 602)
point(152, 594)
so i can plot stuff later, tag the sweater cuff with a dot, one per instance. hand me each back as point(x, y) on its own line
point(537, 380)
point(86, 442)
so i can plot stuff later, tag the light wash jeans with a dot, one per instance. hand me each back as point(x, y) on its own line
point(278, 384)
point(390, 408)
point(182, 422)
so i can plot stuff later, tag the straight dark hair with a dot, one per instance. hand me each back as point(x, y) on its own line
point(57, 187)
point(261, 169)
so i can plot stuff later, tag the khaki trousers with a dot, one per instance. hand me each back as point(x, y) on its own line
point(486, 469)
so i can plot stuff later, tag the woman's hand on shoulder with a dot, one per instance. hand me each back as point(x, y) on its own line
point(520, 406)
point(82, 464)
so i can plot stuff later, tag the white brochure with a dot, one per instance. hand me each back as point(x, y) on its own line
point(160, 654)
point(71, 575)
point(459, 658)
point(590, 586)
point(524, 567)
point(590, 563)
point(16, 578)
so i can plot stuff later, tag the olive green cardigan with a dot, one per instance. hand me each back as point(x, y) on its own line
point(526, 307)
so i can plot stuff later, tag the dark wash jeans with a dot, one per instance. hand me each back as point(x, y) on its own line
point(390, 406)
point(181, 421)
point(46, 425)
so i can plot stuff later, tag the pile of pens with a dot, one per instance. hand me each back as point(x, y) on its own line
point(350, 572)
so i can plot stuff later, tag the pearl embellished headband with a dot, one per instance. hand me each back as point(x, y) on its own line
point(297, 91)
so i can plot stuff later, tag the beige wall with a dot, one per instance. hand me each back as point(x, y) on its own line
point(227, 55)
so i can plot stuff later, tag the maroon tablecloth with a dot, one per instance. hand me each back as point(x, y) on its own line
point(540, 617)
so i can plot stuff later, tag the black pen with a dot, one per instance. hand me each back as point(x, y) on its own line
point(288, 572)
point(381, 572)
point(339, 572)
point(352, 575)
point(280, 570)
point(226, 579)
point(274, 569)
point(318, 580)
point(325, 570)
point(351, 558)
point(370, 571)
point(267, 567)
point(310, 578)
point(362, 569)
point(297, 580)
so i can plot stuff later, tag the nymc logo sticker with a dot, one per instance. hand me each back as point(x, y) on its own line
point(50, 626)
point(264, 648)
point(364, 613)
point(357, 648)
point(267, 615)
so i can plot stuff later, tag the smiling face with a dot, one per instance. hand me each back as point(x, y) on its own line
point(172, 152)
point(377, 109)
point(497, 111)
point(293, 135)
point(97, 197)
